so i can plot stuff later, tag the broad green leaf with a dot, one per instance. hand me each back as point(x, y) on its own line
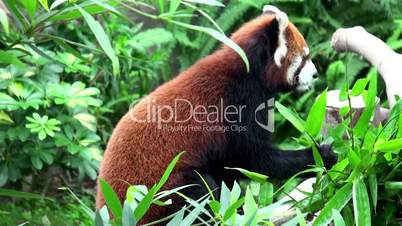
point(192, 216)
point(207, 2)
point(400, 126)
point(215, 206)
point(107, 6)
point(168, 171)
point(361, 203)
point(57, 3)
point(86, 120)
point(30, 6)
point(146, 202)
point(338, 168)
point(266, 195)
point(73, 13)
point(291, 116)
point(174, 4)
point(19, 194)
point(338, 219)
point(225, 198)
point(372, 179)
point(231, 210)
point(290, 180)
point(252, 175)
point(12, 6)
point(370, 101)
point(4, 21)
point(389, 146)
point(7, 57)
point(150, 38)
point(161, 5)
point(347, 214)
point(343, 94)
point(250, 209)
point(337, 202)
point(36, 161)
point(111, 199)
point(359, 86)
point(393, 185)
point(317, 157)
point(219, 36)
point(316, 116)
point(127, 217)
point(98, 219)
point(203, 13)
point(5, 118)
point(102, 39)
point(44, 4)
point(178, 217)
point(300, 218)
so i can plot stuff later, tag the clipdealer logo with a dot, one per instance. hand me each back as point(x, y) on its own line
point(183, 115)
point(270, 106)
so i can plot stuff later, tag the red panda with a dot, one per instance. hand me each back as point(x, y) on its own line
point(212, 111)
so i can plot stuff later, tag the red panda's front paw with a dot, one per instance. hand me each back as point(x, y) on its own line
point(328, 156)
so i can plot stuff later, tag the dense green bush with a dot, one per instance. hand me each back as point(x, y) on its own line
point(59, 95)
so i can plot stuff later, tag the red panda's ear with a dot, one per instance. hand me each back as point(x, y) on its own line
point(262, 47)
point(280, 16)
point(283, 23)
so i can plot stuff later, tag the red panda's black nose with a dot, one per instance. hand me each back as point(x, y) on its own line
point(315, 76)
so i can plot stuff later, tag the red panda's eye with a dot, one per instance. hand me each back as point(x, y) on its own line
point(297, 78)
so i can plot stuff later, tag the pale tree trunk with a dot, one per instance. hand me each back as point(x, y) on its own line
point(381, 56)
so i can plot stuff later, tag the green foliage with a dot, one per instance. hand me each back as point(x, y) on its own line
point(43, 212)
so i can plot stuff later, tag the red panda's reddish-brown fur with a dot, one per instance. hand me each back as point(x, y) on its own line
point(138, 153)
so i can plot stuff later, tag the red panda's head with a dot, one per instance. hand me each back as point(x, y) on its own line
point(277, 51)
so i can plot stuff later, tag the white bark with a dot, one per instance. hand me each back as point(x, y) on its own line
point(387, 62)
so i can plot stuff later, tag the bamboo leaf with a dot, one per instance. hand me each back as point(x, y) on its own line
point(207, 2)
point(44, 4)
point(359, 86)
point(219, 36)
point(361, 203)
point(111, 198)
point(19, 194)
point(252, 175)
point(168, 171)
point(174, 4)
point(370, 101)
point(389, 146)
point(102, 39)
point(316, 115)
point(338, 219)
point(393, 185)
point(291, 116)
point(337, 202)
point(30, 6)
point(4, 21)
point(372, 179)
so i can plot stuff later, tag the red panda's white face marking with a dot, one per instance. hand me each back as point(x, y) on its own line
point(283, 22)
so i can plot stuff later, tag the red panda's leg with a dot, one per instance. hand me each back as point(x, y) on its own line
point(283, 164)
point(200, 189)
